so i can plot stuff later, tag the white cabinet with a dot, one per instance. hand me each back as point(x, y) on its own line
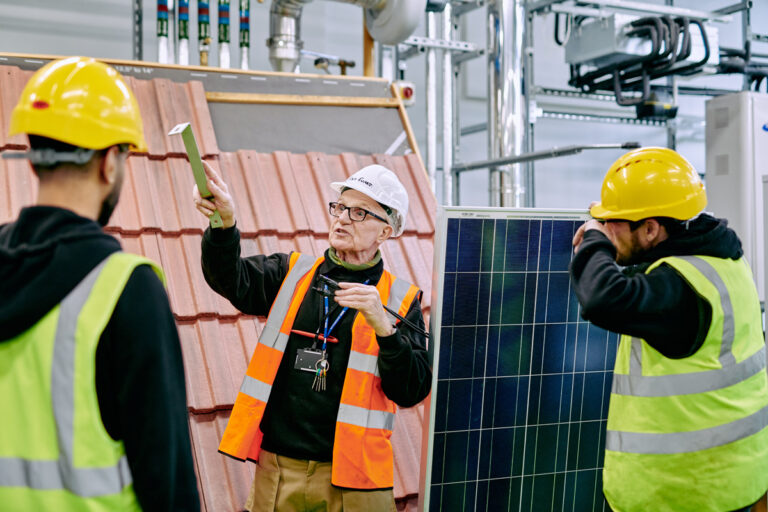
point(737, 160)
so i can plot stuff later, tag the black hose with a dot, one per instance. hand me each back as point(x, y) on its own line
point(558, 41)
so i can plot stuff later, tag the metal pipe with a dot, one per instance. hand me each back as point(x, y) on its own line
point(224, 52)
point(173, 35)
point(505, 100)
point(183, 32)
point(138, 32)
point(529, 107)
point(203, 31)
point(245, 33)
point(448, 95)
point(163, 43)
point(369, 51)
point(746, 34)
point(540, 155)
point(431, 94)
point(284, 41)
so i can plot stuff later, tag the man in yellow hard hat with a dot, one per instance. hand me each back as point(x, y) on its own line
point(91, 375)
point(688, 417)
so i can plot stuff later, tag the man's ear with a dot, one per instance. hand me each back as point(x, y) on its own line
point(385, 233)
point(652, 230)
point(108, 165)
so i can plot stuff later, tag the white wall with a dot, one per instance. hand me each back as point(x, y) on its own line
point(103, 28)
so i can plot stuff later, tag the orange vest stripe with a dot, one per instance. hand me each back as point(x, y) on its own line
point(242, 437)
point(263, 360)
point(362, 452)
point(362, 382)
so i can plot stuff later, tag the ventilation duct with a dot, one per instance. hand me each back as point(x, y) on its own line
point(388, 21)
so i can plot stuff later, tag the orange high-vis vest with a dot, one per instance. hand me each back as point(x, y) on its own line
point(362, 452)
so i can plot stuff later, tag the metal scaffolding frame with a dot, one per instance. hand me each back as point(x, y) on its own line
point(515, 186)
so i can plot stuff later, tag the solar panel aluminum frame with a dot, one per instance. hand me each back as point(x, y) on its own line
point(436, 318)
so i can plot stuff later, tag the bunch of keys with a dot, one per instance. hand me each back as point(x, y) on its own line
point(321, 371)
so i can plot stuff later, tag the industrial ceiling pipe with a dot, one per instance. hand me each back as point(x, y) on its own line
point(388, 21)
point(506, 21)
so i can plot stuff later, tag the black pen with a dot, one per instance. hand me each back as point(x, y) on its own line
point(335, 285)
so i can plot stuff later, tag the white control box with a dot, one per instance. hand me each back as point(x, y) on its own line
point(737, 161)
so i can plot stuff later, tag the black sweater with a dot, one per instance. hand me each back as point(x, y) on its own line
point(298, 421)
point(139, 370)
point(659, 307)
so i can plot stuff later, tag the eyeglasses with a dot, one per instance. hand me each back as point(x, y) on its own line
point(356, 214)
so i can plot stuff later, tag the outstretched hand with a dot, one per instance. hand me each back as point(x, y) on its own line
point(221, 199)
point(365, 298)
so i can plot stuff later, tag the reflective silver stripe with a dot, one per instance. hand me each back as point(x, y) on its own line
point(363, 362)
point(689, 383)
point(281, 342)
point(729, 330)
point(255, 388)
point(397, 293)
point(63, 371)
point(61, 473)
point(365, 417)
point(686, 442)
point(636, 357)
point(270, 335)
point(50, 475)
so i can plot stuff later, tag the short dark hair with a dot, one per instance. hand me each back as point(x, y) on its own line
point(38, 142)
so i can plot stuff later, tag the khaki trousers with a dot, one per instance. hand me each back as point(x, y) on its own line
point(284, 484)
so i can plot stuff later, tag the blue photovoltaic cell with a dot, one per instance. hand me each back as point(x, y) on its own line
point(523, 382)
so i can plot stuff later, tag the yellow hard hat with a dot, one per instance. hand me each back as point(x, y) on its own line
point(81, 102)
point(651, 182)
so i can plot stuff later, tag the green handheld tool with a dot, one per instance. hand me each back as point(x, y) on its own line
point(185, 129)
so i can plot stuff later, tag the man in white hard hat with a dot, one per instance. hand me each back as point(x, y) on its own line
point(316, 407)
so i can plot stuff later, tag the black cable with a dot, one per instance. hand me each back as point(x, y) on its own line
point(567, 24)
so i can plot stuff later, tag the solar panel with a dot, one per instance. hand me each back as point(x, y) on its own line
point(521, 383)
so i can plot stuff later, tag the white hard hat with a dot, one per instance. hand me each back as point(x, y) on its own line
point(381, 185)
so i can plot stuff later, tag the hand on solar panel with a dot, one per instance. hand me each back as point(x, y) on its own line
point(365, 298)
point(590, 224)
point(220, 199)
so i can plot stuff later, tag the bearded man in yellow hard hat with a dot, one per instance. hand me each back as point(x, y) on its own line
point(688, 417)
point(91, 375)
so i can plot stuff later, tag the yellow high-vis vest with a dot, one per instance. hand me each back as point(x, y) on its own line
point(55, 453)
point(362, 452)
point(691, 434)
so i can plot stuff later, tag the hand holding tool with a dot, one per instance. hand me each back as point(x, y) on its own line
point(193, 153)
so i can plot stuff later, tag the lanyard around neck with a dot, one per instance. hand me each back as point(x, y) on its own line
point(326, 330)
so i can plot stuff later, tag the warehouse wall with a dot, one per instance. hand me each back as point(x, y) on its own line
point(104, 28)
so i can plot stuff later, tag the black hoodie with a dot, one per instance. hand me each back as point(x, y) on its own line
point(659, 307)
point(139, 371)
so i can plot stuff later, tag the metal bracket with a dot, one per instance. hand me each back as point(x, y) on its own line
point(599, 118)
point(460, 58)
point(185, 130)
point(455, 46)
point(733, 9)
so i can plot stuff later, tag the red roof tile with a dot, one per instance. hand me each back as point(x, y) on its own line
point(281, 202)
point(18, 186)
point(168, 104)
point(224, 482)
point(13, 80)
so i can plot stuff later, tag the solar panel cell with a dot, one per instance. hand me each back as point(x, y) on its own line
point(522, 382)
